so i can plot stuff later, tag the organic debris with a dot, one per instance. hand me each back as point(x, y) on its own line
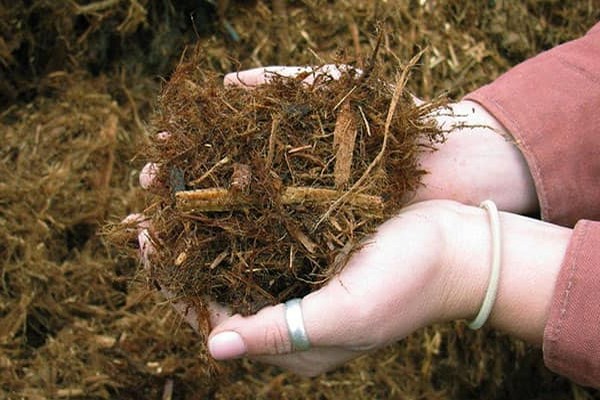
point(279, 183)
point(77, 320)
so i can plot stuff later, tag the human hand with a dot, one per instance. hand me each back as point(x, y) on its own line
point(332, 350)
point(429, 264)
point(478, 159)
point(393, 274)
point(391, 287)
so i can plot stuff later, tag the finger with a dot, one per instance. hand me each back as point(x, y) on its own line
point(148, 176)
point(146, 246)
point(262, 333)
point(137, 220)
point(266, 333)
point(132, 224)
point(258, 76)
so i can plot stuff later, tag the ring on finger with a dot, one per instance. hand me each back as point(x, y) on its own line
point(295, 324)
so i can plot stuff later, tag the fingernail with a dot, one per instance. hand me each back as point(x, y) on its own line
point(148, 175)
point(226, 345)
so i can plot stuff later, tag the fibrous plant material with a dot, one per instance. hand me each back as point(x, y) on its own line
point(268, 190)
point(75, 325)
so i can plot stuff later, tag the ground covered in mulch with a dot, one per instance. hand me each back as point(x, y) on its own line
point(79, 85)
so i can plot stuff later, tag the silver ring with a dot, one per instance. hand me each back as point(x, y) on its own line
point(295, 325)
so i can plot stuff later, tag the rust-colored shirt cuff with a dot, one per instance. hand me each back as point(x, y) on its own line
point(550, 104)
point(572, 333)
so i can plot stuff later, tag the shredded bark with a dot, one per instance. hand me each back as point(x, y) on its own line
point(267, 171)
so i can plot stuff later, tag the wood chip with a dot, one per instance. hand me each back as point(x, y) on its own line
point(218, 260)
point(180, 258)
point(301, 237)
point(344, 138)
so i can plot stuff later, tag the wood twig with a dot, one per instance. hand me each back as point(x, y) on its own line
point(96, 6)
point(219, 199)
point(272, 140)
point(219, 163)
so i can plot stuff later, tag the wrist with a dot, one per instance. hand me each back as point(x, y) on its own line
point(463, 278)
point(531, 257)
point(453, 284)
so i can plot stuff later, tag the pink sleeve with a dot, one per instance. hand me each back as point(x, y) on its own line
point(572, 334)
point(551, 106)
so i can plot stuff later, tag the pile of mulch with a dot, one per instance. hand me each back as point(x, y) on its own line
point(78, 84)
point(268, 190)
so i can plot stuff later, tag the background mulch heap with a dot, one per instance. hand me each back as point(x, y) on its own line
point(78, 80)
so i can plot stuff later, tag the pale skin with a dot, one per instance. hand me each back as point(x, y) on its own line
point(429, 264)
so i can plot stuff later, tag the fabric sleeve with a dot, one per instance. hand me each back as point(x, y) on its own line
point(551, 106)
point(572, 334)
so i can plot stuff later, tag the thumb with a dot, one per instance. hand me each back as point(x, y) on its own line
point(262, 333)
point(266, 333)
point(341, 314)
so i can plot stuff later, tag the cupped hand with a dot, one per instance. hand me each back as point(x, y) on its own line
point(394, 285)
point(429, 264)
point(401, 279)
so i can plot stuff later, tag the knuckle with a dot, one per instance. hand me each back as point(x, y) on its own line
point(275, 340)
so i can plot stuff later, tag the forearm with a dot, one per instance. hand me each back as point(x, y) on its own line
point(532, 254)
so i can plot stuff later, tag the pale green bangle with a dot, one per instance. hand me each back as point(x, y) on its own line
point(492, 289)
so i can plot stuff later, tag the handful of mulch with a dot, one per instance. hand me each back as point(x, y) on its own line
point(268, 190)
